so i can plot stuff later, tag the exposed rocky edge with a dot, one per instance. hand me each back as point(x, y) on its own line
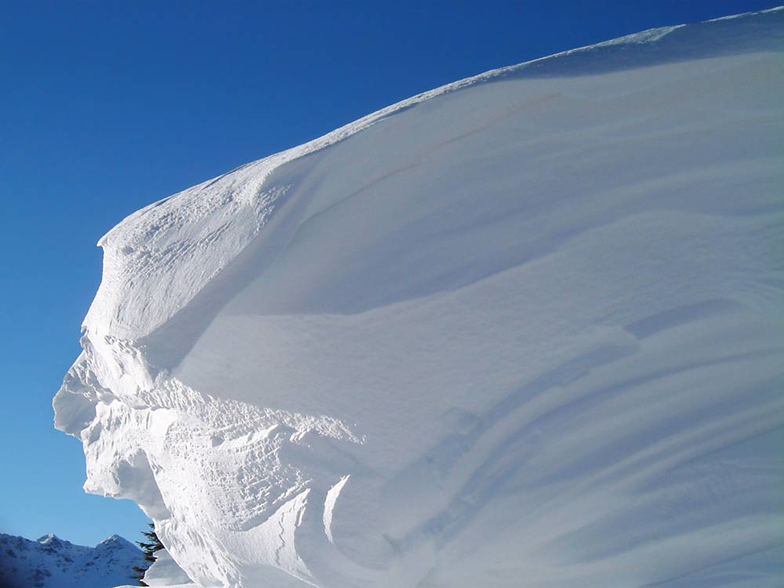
point(522, 329)
point(51, 562)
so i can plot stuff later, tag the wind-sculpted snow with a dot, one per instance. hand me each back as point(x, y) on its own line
point(522, 330)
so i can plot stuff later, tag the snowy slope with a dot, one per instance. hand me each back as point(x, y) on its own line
point(525, 329)
point(52, 562)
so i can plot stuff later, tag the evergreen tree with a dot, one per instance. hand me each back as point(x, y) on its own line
point(149, 548)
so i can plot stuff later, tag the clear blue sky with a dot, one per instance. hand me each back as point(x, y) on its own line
point(106, 106)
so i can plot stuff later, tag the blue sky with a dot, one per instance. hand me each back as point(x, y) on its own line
point(107, 106)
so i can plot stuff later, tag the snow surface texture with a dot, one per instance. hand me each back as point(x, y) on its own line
point(52, 562)
point(522, 330)
point(165, 572)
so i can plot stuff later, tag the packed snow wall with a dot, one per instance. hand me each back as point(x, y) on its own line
point(522, 330)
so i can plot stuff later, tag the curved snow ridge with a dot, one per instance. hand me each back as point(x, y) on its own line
point(180, 243)
point(529, 330)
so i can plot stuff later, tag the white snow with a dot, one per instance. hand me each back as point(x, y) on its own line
point(165, 572)
point(329, 505)
point(524, 329)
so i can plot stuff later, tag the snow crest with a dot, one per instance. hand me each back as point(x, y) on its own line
point(523, 329)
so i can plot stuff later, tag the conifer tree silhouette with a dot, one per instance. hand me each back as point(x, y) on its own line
point(149, 548)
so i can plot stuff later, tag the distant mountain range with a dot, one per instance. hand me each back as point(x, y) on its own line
point(51, 562)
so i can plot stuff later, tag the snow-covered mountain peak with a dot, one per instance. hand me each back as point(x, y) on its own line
point(50, 539)
point(51, 562)
point(115, 542)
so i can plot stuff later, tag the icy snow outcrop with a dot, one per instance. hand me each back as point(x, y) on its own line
point(525, 329)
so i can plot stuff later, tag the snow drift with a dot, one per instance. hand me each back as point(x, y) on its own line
point(521, 330)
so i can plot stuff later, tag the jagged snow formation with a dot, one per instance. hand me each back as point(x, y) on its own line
point(525, 329)
point(51, 562)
